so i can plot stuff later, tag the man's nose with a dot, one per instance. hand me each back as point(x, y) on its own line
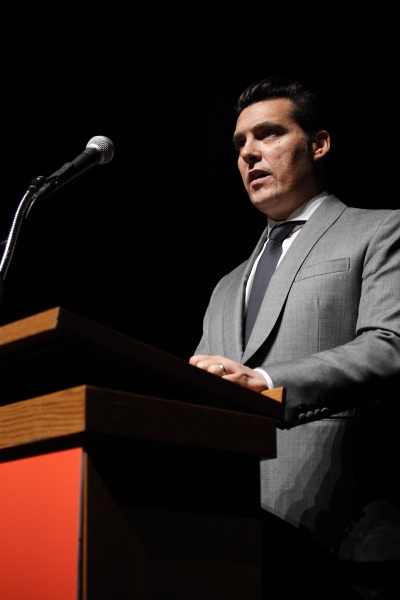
point(251, 152)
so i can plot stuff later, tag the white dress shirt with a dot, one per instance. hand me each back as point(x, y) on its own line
point(303, 213)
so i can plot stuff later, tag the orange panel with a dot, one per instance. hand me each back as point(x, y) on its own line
point(39, 526)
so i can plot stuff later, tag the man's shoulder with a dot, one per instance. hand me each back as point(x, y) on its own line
point(352, 219)
point(233, 275)
point(351, 212)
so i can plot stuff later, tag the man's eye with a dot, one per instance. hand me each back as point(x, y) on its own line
point(269, 132)
point(239, 145)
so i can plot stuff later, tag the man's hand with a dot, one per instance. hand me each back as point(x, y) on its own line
point(230, 370)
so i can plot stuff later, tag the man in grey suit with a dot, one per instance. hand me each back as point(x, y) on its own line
point(327, 328)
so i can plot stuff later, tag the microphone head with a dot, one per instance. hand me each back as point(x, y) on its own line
point(104, 145)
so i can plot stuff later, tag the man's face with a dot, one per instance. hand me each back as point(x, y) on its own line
point(277, 170)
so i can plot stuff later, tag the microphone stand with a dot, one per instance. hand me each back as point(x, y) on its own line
point(18, 221)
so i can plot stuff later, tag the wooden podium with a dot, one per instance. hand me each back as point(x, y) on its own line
point(125, 472)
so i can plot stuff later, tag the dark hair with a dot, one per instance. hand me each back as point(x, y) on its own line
point(308, 110)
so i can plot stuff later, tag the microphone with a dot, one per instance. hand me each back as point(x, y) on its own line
point(99, 151)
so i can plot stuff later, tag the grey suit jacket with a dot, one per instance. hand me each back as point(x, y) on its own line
point(329, 331)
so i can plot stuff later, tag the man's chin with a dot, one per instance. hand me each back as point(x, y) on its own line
point(264, 204)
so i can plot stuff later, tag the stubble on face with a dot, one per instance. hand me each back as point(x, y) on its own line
point(275, 159)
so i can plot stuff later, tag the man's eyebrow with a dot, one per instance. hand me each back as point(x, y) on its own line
point(236, 137)
point(261, 125)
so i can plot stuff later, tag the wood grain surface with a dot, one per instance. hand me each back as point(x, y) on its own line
point(86, 409)
point(28, 328)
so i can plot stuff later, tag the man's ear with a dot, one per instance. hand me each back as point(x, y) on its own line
point(320, 144)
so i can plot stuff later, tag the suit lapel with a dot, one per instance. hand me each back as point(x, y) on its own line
point(232, 330)
point(282, 280)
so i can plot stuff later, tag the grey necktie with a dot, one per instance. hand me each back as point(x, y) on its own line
point(265, 269)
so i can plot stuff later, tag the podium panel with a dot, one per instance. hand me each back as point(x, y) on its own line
point(40, 504)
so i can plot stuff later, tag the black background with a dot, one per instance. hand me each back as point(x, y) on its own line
point(139, 244)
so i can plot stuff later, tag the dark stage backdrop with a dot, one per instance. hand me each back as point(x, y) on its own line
point(139, 244)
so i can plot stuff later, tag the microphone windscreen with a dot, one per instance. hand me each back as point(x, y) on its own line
point(105, 147)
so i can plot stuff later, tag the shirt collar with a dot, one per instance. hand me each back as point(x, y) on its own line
point(304, 211)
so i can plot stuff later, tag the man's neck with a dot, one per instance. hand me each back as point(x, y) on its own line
point(304, 211)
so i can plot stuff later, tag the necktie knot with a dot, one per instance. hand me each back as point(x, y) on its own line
point(280, 232)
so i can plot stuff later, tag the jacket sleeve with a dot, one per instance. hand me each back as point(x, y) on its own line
point(348, 376)
point(204, 345)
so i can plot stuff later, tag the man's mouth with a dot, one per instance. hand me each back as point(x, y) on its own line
point(257, 174)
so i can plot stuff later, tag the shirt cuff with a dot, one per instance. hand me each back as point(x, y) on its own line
point(267, 378)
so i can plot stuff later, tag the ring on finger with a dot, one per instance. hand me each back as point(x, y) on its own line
point(223, 369)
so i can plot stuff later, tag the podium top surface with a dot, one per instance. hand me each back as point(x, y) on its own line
point(57, 349)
